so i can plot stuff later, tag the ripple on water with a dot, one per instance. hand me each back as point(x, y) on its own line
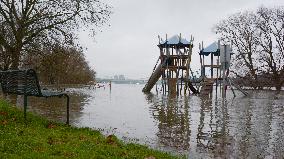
point(204, 127)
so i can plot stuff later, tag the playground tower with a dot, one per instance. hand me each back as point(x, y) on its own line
point(174, 66)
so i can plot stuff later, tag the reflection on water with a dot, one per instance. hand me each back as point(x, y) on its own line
point(203, 127)
point(173, 119)
point(53, 108)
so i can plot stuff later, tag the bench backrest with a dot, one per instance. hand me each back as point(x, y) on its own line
point(21, 82)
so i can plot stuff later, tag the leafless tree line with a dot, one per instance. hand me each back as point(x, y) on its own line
point(60, 65)
point(257, 38)
point(36, 28)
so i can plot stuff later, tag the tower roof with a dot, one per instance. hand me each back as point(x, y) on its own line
point(175, 40)
point(212, 48)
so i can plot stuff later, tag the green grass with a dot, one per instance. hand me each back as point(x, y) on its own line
point(39, 138)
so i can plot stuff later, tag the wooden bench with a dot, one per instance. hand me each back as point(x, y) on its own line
point(25, 82)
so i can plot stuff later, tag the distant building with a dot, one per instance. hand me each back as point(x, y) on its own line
point(121, 77)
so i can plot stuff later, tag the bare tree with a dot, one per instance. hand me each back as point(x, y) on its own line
point(271, 26)
point(24, 22)
point(240, 30)
point(60, 65)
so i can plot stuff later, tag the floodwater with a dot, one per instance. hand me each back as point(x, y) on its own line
point(199, 127)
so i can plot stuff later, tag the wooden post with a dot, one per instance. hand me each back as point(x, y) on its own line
point(177, 70)
point(211, 65)
point(217, 75)
point(163, 85)
point(172, 86)
point(200, 64)
point(181, 82)
point(203, 68)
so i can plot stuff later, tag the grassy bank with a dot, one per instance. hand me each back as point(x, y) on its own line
point(40, 138)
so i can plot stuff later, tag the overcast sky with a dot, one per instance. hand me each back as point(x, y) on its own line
point(129, 45)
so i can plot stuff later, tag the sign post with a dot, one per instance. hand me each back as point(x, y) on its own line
point(225, 56)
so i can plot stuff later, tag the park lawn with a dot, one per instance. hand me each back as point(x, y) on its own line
point(40, 138)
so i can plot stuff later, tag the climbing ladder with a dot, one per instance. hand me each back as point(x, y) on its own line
point(207, 86)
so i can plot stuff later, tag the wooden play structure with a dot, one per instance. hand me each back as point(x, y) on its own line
point(207, 82)
point(174, 66)
point(219, 70)
point(176, 74)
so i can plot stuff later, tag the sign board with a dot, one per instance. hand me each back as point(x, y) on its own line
point(225, 51)
point(225, 56)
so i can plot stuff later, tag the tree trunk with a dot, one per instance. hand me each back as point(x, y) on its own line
point(278, 87)
point(278, 83)
point(15, 54)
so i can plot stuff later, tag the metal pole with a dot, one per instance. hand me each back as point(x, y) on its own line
point(224, 85)
point(67, 110)
point(25, 106)
point(224, 73)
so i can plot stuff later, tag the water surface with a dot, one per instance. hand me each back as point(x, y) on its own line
point(201, 127)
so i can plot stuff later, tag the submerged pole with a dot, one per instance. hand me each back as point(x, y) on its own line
point(224, 73)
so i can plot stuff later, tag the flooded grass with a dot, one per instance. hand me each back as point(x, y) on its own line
point(39, 138)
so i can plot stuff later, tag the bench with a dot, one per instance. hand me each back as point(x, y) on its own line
point(25, 82)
